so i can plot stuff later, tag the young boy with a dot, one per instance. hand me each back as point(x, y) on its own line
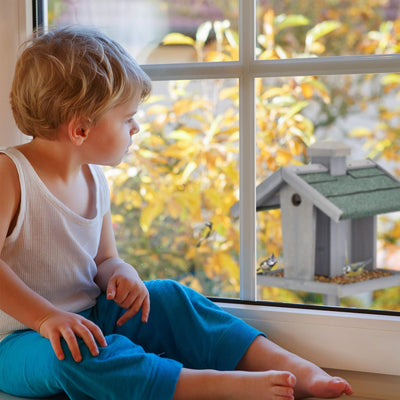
point(74, 317)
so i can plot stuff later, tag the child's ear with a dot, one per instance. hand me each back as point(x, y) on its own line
point(78, 132)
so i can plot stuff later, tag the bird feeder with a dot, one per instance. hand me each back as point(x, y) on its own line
point(329, 212)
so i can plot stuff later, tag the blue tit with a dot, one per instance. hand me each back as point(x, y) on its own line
point(356, 268)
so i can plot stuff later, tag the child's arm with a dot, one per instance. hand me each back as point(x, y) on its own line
point(21, 302)
point(118, 279)
point(34, 311)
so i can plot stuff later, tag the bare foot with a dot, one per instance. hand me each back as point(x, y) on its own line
point(312, 381)
point(326, 387)
point(234, 385)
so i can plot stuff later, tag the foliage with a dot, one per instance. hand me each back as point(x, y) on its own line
point(180, 180)
point(185, 173)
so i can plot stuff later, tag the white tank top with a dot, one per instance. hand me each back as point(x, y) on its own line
point(51, 248)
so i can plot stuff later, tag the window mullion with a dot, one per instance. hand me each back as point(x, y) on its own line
point(247, 151)
point(187, 71)
point(361, 64)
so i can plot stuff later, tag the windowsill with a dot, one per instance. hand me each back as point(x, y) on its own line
point(362, 348)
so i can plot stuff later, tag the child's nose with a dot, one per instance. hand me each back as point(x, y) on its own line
point(135, 128)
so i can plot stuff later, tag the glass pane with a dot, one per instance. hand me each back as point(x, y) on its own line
point(159, 31)
point(292, 29)
point(362, 113)
point(171, 197)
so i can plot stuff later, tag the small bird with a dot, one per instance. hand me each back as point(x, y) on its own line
point(205, 232)
point(267, 264)
point(355, 268)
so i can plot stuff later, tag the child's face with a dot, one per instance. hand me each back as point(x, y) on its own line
point(110, 138)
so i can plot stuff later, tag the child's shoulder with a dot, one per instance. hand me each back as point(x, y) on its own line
point(7, 165)
point(9, 178)
point(9, 195)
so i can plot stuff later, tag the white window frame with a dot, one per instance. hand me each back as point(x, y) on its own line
point(247, 69)
point(363, 347)
point(345, 341)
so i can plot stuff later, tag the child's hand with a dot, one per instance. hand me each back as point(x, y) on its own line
point(127, 289)
point(69, 326)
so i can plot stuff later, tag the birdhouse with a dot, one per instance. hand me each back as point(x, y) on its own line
point(329, 211)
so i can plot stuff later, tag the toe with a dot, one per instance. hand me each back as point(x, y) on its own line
point(280, 378)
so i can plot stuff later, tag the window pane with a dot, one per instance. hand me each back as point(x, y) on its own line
point(159, 31)
point(291, 29)
point(362, 112)
point(171, 197)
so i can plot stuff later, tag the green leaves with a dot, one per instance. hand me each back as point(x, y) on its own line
point(318, 31)
point(284, 21)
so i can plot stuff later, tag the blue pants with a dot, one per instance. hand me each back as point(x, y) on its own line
point(141, 361)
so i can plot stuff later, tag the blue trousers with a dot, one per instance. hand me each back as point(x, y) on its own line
point(141, 361)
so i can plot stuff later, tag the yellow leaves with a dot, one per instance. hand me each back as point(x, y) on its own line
point(221, 263)
point(174, 209)
point(317, 48)
point(135, 199)
point(186, 105)
point(147, 153)
point(271, 92)
point(213, 197)
point(313, 86)
point(157, 109)
point(117, 219)
point(193, 283)
point(179, 150)
point(283, 157)
point(307, 90)
point(127, 198)
point(189, 200)
point(216, 56)
point(268, 39)
point(232, 172)
point(184, 133)
point(269, 55)
point(283, 21)
point(158, 114)
point(182, 106)
point(229, 92)
point(391, 81)
point(318, 31)
point(190, 167)
point(177, 39)
point(293, 110)
point(360, 132)
point(280, 295)
point(395, 233)
point(149, 213)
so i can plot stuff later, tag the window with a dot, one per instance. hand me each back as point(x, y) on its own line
point(242, 89)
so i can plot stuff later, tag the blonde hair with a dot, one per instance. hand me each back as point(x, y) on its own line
point(72, 73)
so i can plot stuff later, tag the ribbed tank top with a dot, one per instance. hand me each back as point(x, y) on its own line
point(51, 248)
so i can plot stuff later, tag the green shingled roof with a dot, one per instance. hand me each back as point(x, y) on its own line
point(360, 193)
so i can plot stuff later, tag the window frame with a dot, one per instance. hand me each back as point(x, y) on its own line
point(247, 69)
point(335, 339)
